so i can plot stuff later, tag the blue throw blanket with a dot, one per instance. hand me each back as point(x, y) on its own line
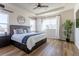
point(26, 37)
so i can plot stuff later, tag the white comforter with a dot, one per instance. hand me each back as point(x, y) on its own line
point(31, 40)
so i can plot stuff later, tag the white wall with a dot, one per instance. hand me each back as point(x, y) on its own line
point(16, 12)
point(76, 29)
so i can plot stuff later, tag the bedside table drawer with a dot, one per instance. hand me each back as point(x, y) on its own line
point(4, 41)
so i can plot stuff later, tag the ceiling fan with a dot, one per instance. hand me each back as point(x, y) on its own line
point(39, 5)
point(2, 7)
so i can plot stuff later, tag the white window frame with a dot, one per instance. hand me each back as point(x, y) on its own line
point(49, 23)
point(5, 23)
point(57, 28)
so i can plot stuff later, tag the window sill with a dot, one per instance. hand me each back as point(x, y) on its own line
point(2, 35)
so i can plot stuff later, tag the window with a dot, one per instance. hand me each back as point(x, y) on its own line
point(52, 25)
point(3, 23)
point(49, 23)
point(32, 24)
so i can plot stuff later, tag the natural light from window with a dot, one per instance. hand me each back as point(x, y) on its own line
point(50, 23)
point(3, 23)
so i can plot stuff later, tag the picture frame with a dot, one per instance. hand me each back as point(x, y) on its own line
point(21, 19)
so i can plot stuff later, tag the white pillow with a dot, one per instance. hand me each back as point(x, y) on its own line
point(14, 31)
point(25, 31)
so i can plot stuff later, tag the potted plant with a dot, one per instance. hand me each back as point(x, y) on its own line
point(68, 29)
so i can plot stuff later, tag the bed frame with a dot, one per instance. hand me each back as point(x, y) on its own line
point(20, 45)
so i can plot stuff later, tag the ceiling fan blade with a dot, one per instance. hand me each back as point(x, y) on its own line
point(44, 6)
point(8, 10)
point(39, 5)
point(35, 8)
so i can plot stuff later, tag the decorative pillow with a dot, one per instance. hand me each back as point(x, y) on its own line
point(19, 31)
point(14, 31)
point(25, 31)
point(28, 30)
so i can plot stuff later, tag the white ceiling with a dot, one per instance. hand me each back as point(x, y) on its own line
point(52, 7)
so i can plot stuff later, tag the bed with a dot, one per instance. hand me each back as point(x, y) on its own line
point(27, 42)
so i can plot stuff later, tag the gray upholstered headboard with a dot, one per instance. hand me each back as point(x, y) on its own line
point(12, 27)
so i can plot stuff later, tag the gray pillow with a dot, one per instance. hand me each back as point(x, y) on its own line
point(28, 30)
point(19, 31)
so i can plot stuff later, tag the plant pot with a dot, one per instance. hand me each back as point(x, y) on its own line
point(67, 40)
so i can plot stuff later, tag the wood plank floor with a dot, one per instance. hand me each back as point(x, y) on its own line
point(51, 48)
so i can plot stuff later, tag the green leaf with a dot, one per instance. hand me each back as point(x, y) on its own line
point(68, 28)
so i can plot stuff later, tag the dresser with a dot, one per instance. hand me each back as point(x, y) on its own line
point(4, 41)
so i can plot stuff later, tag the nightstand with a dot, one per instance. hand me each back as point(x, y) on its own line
point(4, 41)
